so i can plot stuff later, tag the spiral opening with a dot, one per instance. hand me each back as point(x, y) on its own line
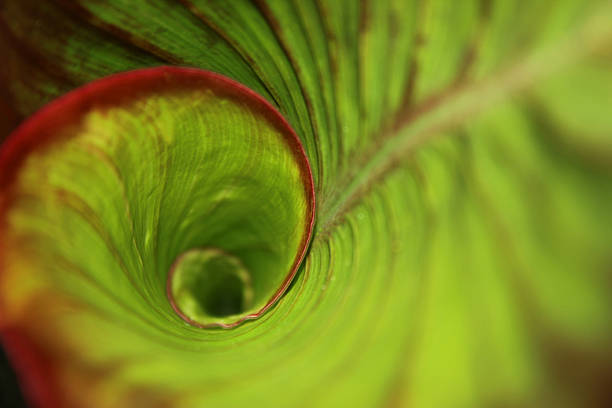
point(208, 283)
point(188, 196)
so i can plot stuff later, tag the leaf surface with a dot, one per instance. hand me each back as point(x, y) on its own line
point(461, 156)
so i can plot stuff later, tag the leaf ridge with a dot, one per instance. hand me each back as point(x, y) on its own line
point(451, 108)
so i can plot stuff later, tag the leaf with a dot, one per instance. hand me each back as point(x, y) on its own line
point(460, 153)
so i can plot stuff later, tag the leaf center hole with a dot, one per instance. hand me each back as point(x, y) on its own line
point(221, 293)
point(209, 283)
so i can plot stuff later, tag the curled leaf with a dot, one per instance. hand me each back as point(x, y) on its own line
point(136, 192)
point(460, 153)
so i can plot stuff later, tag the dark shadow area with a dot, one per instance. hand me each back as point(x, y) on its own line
point(224, 297)
point(9, 119)
point(10, 394)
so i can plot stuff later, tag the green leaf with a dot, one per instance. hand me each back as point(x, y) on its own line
point(461, 157)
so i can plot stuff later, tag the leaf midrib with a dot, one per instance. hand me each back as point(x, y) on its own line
point(453, 108)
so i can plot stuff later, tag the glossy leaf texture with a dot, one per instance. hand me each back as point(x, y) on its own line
point(461, 154)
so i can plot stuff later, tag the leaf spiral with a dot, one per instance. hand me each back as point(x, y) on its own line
point(460, 156)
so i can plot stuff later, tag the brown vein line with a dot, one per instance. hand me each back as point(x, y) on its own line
point(323, 13)
point(235, 46)
point(391, 131)
point(333, 70)
point(268, 16)
point(419, 41)
point(189, 6)
point(471, 52)
point(114, 31)
point(413, 74)
point(406, 111)
point(164, 169)
point(72, 201)
point(110, 317)
point(105, 157)
point(330, 112)
point(364, 18)
point(80, 207)
point(365, 25)
point(71, 267)
point(455, 106)
point(391, 38)
point(354, 48)
point(330, 131)
point(96, 283)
